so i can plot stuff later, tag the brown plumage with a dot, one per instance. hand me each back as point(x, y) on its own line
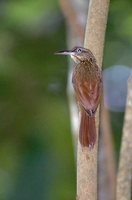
point(87, 82)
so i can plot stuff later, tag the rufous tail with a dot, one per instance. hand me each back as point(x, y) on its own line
point(87, 133)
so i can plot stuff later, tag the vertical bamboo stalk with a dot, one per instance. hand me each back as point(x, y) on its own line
point(87, 159)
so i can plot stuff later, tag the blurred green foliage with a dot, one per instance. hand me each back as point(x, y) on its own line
point(118, 48)
point(36, 152)
point(35, 146)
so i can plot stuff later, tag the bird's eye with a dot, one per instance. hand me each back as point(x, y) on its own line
point(79, 50)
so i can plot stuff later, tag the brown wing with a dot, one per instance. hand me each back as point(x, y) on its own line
point(88, 94)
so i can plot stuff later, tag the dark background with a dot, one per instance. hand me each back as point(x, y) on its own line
point(36, 152)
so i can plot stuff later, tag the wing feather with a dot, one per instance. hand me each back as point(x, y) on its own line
point(88, 94)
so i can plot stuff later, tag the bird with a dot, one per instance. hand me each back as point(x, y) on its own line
point(87, 83)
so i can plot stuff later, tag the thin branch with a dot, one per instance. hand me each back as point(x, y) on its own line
point(124, 178)
point(75, 36)
point(108, 157)
point(94, 40)
point(71, 18)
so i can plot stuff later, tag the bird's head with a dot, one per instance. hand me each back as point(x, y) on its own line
point(79, 54)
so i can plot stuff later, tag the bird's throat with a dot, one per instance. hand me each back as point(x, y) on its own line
point(76, 59)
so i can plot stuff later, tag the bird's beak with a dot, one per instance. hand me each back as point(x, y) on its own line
point(65, 53)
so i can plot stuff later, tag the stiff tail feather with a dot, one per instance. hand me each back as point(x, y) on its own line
point(87, 133)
